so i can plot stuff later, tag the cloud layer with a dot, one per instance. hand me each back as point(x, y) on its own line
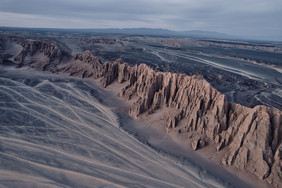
point(257, 18)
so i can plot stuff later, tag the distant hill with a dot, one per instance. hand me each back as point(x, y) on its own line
point(199, 33)
point(132, 31)
point(161, 32)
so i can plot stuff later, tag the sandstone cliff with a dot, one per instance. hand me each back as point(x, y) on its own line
point(252, 136)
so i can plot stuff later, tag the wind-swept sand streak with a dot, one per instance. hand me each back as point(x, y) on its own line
point(100, 107)
point(78, 159)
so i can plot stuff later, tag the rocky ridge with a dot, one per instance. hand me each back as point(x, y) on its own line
point(39, 54)
point(252, 135)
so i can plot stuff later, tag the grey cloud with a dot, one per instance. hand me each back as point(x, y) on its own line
point(241, 17)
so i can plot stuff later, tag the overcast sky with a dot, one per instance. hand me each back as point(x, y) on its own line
point(257, 18)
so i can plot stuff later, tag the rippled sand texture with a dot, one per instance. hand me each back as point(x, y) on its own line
point(55, 133)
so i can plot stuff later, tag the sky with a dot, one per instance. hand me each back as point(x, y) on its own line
point(249, 18)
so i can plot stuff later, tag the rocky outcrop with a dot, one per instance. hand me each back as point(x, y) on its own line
point(275, 176)
point(251, 136)
point(88, 66)
point(39, 54)
point(84, 65)
point(197, 142)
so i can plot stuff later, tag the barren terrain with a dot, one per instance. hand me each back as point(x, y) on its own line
point(68, 131)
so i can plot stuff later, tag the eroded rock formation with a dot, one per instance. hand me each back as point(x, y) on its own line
point(39, 54)
point(252, 135)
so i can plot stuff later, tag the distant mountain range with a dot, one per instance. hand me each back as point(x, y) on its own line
point(150, 32)
point(161, 32)
point(133, 31)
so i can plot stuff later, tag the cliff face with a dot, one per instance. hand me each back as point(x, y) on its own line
point(252, 136)
point(39, 54)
